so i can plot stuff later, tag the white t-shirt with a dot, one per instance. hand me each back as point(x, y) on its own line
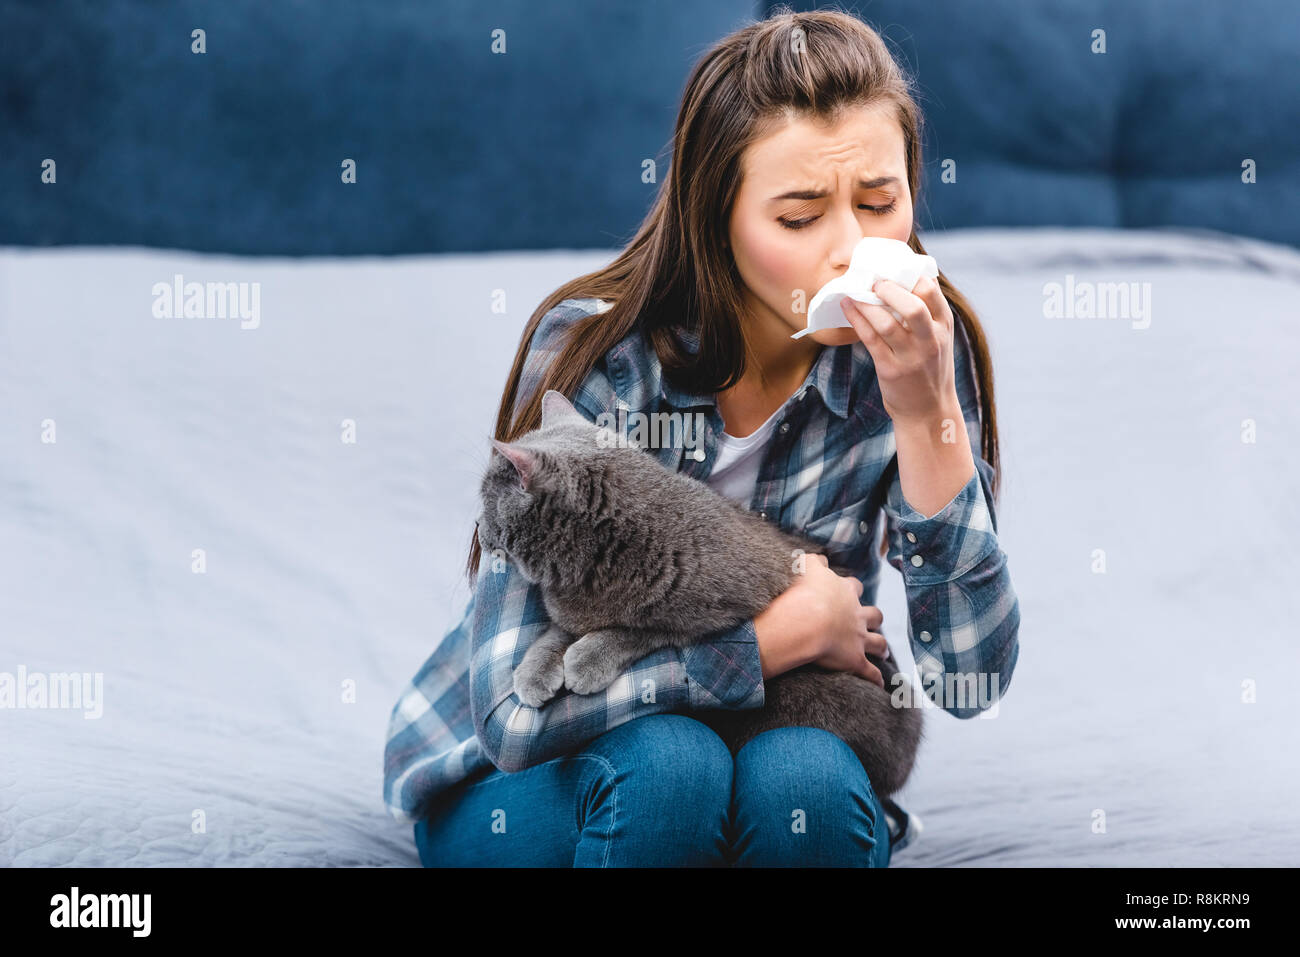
point(735, 473)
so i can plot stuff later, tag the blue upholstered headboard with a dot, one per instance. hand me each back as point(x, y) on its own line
point(460, 148)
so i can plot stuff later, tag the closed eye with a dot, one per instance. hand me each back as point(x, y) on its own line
point(801, 223)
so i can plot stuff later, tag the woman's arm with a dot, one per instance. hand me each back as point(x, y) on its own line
point(426, 744)
point(782, 645)
point(934, 458)
point(963, 613)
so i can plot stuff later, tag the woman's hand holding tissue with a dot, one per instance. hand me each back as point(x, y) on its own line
point(913, 355)
point(918, 387)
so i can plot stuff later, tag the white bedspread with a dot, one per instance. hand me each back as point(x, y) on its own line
point(229, 735)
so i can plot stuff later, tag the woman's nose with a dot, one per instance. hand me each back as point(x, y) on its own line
point(848, 231)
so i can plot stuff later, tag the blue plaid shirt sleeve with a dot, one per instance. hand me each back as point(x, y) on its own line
point(722, 670)
point(431, 744)
point(963, 614)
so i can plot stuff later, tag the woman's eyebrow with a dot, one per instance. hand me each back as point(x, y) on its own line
point(818, 194)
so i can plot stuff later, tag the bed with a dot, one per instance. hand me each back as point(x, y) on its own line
point(254, 588)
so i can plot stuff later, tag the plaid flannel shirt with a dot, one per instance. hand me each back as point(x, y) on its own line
point(829, 472)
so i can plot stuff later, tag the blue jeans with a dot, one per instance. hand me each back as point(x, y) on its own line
point(664, 791)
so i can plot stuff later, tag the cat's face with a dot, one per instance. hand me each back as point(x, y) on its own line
point(538, 491)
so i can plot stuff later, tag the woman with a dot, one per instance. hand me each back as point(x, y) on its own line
point(797, 136)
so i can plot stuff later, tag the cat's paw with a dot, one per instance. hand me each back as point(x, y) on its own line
point(538, 678)
point(590, 665)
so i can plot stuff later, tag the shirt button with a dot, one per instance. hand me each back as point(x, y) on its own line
point(863, 526)
point(911, 537)
point(916, 560)
point(785, 427)
point(925, 636)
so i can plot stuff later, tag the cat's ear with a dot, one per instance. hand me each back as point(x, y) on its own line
point(524, 460)
point(556, 406)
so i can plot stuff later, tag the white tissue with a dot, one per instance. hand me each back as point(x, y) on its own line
point(873, 258)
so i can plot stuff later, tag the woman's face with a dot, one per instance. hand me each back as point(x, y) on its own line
point(844, 182)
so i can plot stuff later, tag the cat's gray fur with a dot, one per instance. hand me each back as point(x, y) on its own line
point(632, 557)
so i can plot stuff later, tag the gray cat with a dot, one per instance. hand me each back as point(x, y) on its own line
point(632, 557)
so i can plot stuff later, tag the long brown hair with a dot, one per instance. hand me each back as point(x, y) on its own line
point(812, 64)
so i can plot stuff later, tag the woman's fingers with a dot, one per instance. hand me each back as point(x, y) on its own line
point(914, 310)
point(882, 334)
point(875, 644)
point(931, 293)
